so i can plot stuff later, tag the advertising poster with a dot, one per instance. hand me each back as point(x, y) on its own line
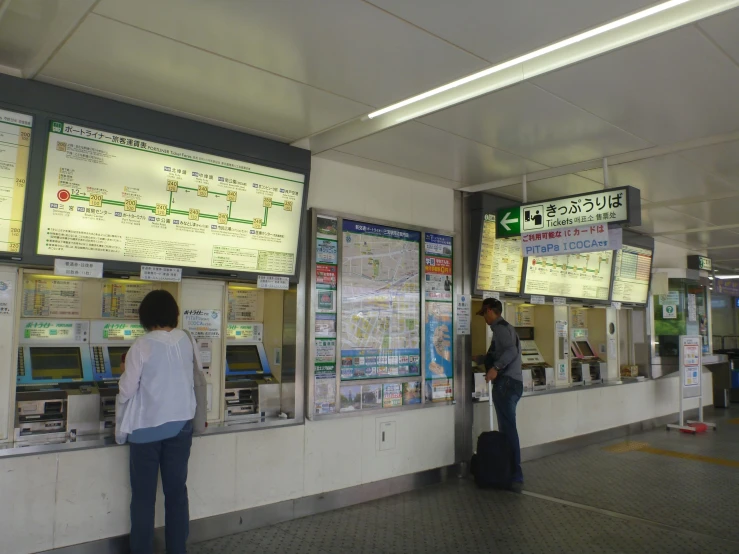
point(440, 390)
point(380, 301)
point(524, 316)
point(438, 279)
point(203, 324)
point(326, 301)
point(15, 143)
point(438, 245)
point(579, 318)
point(412, 393)
point(326, 276)
point(392, 395)
point(324, 394)
point(351, 398)
point(327, 251)
point(325, 350)
point(113, 197)
point(439, 340)
point(326, 227)
point(326, 325)
point(6, 297)
point(371, 397)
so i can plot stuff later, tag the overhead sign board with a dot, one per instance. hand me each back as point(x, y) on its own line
point(729, 287)
point(617, 205)
point(700, 263)
point(112, 197)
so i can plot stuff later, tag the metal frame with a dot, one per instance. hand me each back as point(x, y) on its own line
point(311, 306)
point(46, 102)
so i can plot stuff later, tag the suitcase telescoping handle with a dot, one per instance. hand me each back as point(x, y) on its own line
point(490, 402)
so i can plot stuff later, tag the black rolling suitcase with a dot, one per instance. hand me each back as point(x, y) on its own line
point(492, 465)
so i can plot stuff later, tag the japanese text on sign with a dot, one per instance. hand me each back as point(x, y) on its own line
point(606, 206)
point(588, 238)
point(157, 273)
point(203, 324)
point(74, 268)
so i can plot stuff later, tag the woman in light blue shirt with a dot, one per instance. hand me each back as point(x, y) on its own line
point(157, 385)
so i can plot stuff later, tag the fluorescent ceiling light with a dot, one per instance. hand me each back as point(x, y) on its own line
point(535, 54)
point(727, 276)
point(532, 55)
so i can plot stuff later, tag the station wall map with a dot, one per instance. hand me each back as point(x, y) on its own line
point(585, 275)
point(15, 142)
point(381, 299)
point(112, 197)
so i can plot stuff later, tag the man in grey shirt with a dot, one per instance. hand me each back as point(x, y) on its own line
point(503, 368)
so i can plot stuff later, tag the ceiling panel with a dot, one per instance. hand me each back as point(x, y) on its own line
point(555, 187)
point(718, 212)
point(535, 124)
point(720, 159)
point(107, 56)
point(729, 254)
point(671, 88)
point(724, 29)
point(429, 150)
point(665, 178)
point(708, 239)
point(350, 48)
point(357, 161)
point(664, 220)
point(501, 30)
point(33, 26)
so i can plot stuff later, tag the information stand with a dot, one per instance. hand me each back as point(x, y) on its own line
point(691, 381)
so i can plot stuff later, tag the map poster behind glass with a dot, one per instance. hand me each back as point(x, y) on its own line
point(15, 143)
point(439, 319)
point(381, 300)
point(112, 197)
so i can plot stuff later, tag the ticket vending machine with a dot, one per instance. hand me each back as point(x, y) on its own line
point(109, 342)
point(251, 392)
point(55, 394)
point(587, 366)
point(537, 374)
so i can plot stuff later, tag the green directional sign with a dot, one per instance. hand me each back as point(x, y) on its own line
point(509, 222)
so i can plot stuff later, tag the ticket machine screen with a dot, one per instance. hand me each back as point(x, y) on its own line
point(585, 350)
point(244, 359)
point(57, 363)
point(115, 354)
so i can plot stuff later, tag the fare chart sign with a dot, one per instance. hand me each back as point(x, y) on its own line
point(617, 205)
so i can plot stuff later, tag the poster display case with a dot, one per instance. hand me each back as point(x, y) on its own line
point(381, 325)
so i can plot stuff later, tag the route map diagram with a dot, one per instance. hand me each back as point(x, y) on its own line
point(586, 275)
point(381, 290)
point(112, 197)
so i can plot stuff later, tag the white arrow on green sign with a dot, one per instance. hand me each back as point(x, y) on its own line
point(509, 222)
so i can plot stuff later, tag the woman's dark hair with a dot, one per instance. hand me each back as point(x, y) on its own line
point(158, 309)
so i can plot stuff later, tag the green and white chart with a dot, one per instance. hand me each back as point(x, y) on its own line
point(114, 197)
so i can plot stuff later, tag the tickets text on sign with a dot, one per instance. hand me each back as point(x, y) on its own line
point(604, 206)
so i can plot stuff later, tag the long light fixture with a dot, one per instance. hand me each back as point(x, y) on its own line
point(532, 55)
point(727, 276)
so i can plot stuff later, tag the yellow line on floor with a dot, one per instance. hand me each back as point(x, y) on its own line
point(735, 421)
point(629, 446)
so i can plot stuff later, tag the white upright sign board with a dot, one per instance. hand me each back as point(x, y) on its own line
point(691, 380)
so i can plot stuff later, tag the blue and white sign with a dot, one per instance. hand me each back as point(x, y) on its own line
point(586, 238)
point(438, 245)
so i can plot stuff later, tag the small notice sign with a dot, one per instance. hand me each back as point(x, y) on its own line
point(559, 301)
point(203, 324)
point(464, 313)
point(273, 282)
point(538, 299)
point(78, 268)
point(158, 273)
